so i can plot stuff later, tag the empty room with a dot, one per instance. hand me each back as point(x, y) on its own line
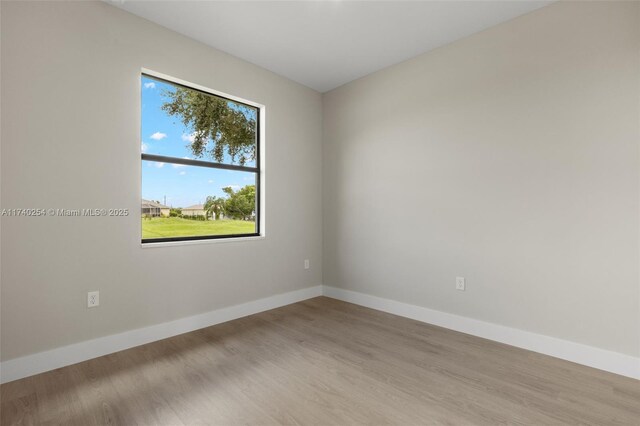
point(319, 212)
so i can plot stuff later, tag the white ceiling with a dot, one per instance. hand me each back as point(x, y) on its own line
point(324, 44)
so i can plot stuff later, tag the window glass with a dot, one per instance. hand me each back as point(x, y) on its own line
point(200, 177)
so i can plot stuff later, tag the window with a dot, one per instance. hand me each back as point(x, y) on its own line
point(200, 164)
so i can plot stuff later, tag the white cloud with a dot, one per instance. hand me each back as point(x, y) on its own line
point(188, 138)
point(144, 147)
point(150, 85)
point(158, 165)
point(210, 181)
point(182, 173)
point(158, 136)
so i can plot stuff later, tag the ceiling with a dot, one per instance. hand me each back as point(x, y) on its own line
point(324, 44)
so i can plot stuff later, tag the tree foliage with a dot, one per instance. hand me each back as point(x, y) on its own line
point(240, 204)
point(214, 206)
point(218, 125)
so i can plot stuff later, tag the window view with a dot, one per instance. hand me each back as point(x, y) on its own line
point(200, 164)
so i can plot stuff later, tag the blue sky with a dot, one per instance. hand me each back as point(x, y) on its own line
point(164, 135)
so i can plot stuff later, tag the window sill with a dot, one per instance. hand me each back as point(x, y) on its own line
point(205, 241)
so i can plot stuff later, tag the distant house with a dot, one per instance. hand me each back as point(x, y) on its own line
point(154, 209)
point(195, 210)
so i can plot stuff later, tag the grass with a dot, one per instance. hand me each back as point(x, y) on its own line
point(161, 227)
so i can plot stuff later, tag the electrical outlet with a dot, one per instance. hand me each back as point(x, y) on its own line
point(460, 285)
point(306, 264)
point(93, 299)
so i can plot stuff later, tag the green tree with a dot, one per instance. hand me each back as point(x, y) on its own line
point(217, 124)
point(214, 206)
point(240, 204)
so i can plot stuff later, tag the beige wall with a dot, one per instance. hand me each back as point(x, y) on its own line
point(190, 212)
point(510, 158)
point(70, 139)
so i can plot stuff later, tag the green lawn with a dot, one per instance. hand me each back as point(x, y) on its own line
point(161, 227)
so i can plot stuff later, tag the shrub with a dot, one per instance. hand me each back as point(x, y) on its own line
point(202, 218)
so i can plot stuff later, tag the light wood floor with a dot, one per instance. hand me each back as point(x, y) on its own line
point(323, 362)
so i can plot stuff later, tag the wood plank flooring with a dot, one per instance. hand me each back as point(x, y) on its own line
point(322, 362)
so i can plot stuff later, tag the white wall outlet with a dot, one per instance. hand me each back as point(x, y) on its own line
point(306, 264)
point(460, 285)
point(93, 299)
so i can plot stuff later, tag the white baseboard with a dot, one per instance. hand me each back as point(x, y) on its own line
point(613, 362)
point(29, 365)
